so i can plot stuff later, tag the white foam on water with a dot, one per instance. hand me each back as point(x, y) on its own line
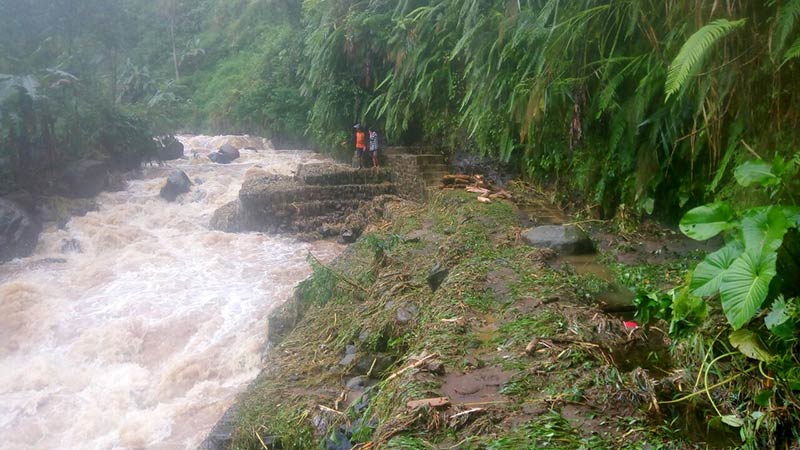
point(144, 339)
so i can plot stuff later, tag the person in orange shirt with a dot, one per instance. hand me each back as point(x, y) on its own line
point(360, 145)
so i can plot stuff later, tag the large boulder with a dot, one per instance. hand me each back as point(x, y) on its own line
point(170, 148)
point(177, 183)
point(565, 239)
point(85, 178)
point(226, 154)
point(227, 218)
point(19, 232)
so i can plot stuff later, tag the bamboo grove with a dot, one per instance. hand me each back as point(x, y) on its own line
point(645, 103)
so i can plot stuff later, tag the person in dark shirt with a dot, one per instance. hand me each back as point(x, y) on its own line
point(373, 148)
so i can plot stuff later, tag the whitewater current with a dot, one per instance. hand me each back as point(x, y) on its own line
point(143, 338)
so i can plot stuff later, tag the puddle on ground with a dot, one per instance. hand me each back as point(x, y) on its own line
point(617, 299)
point(694, 425)
point(478, 386)
point(651, 354)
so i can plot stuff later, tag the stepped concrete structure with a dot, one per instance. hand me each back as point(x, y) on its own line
point(322, 199)
point(414, 170)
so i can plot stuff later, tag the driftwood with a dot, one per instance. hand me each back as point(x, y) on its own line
point(435, 402)
point(475, 184)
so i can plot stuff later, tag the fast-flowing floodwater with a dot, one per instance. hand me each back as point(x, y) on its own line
point(143, 339)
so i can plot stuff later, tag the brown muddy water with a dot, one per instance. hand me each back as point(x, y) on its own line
point(143, 339)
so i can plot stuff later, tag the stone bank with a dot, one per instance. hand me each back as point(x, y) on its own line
point(321, 199)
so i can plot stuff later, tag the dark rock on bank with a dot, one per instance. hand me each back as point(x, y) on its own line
point(565, 239)
point(349, 356)
point(177, 183)
point(437, 276)
point(406, 314)
point(170, 148)
point(19, 231)
point(360, 383)
point(373, 364)
point(226, 154)
point(85, 178)
point(347, 237)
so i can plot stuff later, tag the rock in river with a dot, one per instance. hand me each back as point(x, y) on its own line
point(565, 239)
point(227, 153)
point(177, 184)
point(170, 148)
point(85, 178)
point(19, 232)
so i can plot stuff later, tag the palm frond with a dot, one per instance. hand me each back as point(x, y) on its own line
point(694, 50)
point(787, 18)
point(792, 53)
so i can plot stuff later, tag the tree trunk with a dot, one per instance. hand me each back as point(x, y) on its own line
point(174, 51)
point(114, 76)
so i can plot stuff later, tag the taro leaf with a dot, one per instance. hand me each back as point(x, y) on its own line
point(708, 274)
point(759, 172)
point(744, 286)
point(649, 205)
point(705, 222)
point(733, 421)
point(778, 315)
point(749, 344)
point(764, 228)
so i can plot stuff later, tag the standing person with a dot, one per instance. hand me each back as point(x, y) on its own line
point(373, 148)
point(361, 147)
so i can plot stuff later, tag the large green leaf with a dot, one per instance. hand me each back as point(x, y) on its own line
point(745, 285)
point(758, 172)
point(749, 344)
point(705, 222)
point(708, 274)
point(764, 228)
point(778, 315)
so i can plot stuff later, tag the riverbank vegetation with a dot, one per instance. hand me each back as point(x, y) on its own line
point(515, 340)
point(598, 98)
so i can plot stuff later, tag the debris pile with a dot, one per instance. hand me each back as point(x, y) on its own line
point(476, 184)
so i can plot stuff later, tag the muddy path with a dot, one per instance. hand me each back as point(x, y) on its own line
point(511, 350)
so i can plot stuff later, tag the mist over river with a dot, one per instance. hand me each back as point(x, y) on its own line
point(144, 338)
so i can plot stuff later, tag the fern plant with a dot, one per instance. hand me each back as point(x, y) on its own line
point(694, 51)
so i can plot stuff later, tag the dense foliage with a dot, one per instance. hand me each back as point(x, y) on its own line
point(640, 102)
point(61, 81)
point(753, 284)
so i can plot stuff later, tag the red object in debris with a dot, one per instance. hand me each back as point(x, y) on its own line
point(630, 324)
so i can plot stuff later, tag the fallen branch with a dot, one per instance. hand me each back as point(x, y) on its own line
point(467, 412)
point(417, 364)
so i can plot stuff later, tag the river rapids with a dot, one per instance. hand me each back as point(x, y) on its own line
point(144, 338)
